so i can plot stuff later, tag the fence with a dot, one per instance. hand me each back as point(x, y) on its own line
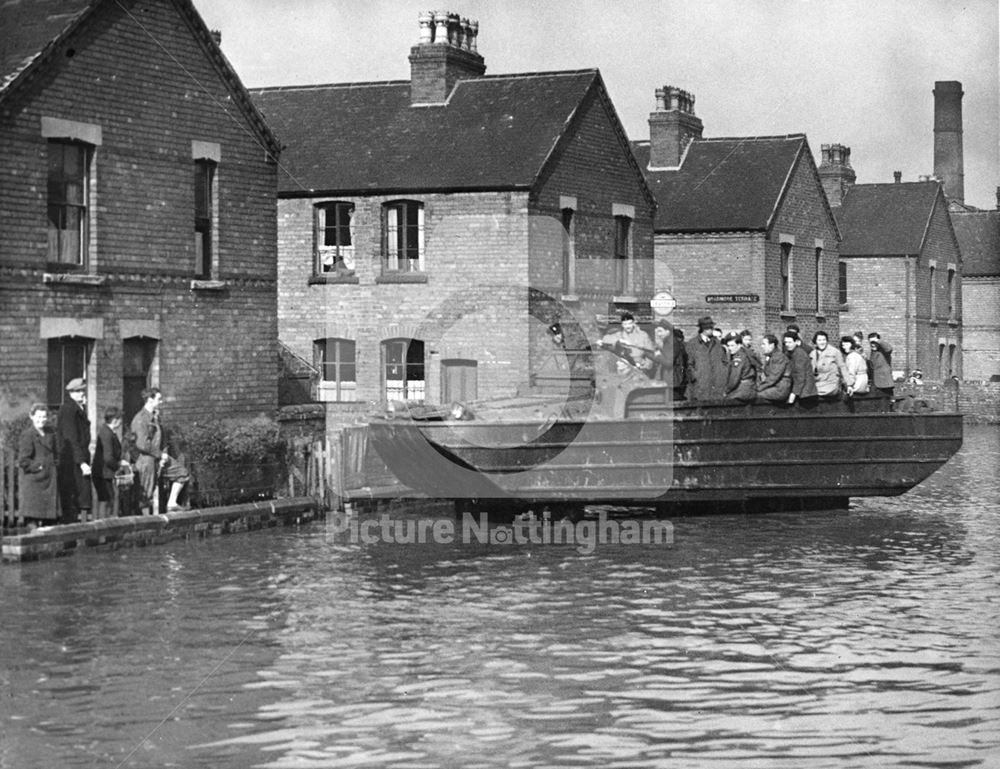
point(8, 486)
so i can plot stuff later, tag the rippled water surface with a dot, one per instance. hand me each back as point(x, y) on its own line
point(858, 639)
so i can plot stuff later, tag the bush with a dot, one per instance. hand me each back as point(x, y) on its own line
point(231, 460)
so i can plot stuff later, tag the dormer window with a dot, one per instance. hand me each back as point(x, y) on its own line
point(403, 236)
point(335, 238)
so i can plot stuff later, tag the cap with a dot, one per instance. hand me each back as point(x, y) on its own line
point(76, 384)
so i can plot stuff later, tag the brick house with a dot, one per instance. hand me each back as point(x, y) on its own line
point(978, 235)
point(430, 229)
point(137, 213)
point(743, 229)
point(901, 274)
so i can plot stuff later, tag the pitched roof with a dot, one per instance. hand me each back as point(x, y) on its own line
point(31, 30)
point(886, 219)
point(494, 132)
point(27, 27)
point(726, 184)
point(978, 236)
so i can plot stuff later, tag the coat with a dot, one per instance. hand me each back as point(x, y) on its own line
point(670, 360)
point(707, 369)
point(740, 378)
point(803, 381)
point(775, 378)
point(881, 362)
point(857, 370)
point(831, 373)
point(73, 431)
point(38, 461)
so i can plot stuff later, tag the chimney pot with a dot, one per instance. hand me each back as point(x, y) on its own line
point(425, 20)
point(217, 36)
point(897, 176)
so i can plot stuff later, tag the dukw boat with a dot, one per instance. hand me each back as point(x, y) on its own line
point(636, 447)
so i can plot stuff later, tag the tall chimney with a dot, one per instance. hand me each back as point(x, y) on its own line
point(897, 176)
point(445, 53)
point(672, 127)
point(948, 164)
point(835, 172)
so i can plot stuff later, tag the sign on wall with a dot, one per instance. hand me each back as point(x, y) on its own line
point(732, 299)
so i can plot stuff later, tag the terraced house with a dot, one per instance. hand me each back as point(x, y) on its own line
point(431, 229)
point(137, 212)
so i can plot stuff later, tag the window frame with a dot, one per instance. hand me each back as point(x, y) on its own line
point(842, 288)
point(63, 204)
point(56, 380)
point(205, 218)
point(397, 240)
point(622, 254)
point(786, 276)
point(342, 255)
point(411, 361)
point(341, 387)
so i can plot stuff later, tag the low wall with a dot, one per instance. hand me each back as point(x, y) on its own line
point(979, 401)
point(141, 530)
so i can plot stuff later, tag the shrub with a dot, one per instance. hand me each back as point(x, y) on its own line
point(231, 460)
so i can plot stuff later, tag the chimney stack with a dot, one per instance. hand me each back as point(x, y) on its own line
point(897, 176)
point(835, 172)
point(948, 163)
point(672, 127)
point(445, 53)
point(216, 36)
point(998, 198)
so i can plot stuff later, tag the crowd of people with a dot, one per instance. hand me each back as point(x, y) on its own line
point(788, 370)
point(62, 471)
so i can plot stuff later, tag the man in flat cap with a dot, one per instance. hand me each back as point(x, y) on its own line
point(73, 435)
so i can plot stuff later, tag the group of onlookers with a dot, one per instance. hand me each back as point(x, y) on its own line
point(715, 366)
point(61, 471)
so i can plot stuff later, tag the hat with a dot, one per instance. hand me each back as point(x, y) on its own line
point(555, 328)
point(705, 322)
point(76, 384)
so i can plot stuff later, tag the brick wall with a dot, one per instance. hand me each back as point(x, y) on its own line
point(216, 352)
point(981, 327)
point(978, 401)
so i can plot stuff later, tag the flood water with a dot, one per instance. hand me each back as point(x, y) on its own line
point(868, 638)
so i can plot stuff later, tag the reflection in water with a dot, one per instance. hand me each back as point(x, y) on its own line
point(858, 639)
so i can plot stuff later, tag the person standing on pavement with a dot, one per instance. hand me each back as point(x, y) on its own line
point(37, 459)
point(73, 433)
point(108, 461)
point(153, 462)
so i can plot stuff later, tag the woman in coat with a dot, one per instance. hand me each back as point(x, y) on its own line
point(857, 366)
point(37, 459)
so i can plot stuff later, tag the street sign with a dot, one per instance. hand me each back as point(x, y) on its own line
point(732, 299)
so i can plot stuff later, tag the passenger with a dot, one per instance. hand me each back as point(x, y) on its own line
point(108, 461)
point(669, 357)
point(630, 343)
point(798, 335)
point(857, 367)
point(73, 431)
point(746, 338)
point(775, 381)
point(828, 367)
point(707, 364)
point(881, 363)
point(859, 344)
point(37, 458)
point(803, 382)
point(740, 377)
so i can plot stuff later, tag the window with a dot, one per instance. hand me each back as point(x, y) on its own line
point(623, 244)
point(204, 179)
point(951, 293)
point(403, 369)
point(68, 192)
point(819, 281)
point(336, 361)
point(68, 358)
point(786, 277)
point(138, 363)
point(568, 251)
point(933, 292)
point(403, 245)
point(842, 281)
point(334, 237)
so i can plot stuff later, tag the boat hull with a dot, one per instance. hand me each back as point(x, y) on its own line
point(687, 457)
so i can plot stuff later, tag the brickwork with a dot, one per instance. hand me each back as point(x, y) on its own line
point(482, 253)
point(694, 266)
point(216, 347)
point(981, 327)
point(978, 401)
point(893, 296)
